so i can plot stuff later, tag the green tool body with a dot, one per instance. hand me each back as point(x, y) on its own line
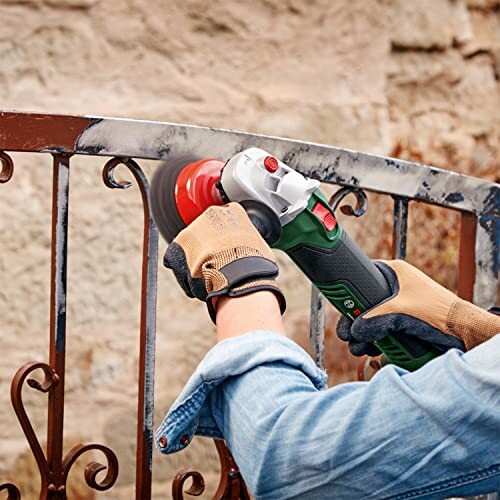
point(345, 275)
point(309, 233)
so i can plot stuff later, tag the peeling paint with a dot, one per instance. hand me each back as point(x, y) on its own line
point(60, 244)
point(454, 197)
point(158, 140)
point(487, 261)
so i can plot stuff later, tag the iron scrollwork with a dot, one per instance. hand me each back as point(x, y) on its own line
point(93, 468)
point(12, 491)
point(7, 169)
point(197, 485)
point(231, 485)
point(53, 483)
point(361, 201)
point(50, 379)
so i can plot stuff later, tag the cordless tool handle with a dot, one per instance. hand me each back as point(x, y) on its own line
point(345, 275)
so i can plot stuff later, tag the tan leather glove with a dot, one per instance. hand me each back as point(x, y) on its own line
point(221, 253)
point(419, 306)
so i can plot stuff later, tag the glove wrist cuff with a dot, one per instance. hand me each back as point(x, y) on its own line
point(471, 323)
point(237, 272)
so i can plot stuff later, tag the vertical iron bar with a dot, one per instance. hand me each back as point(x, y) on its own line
point(145, 406)
point(487, 261)
point(399, 228)
point(467, 256)
point(317, 327)
point(60, 192)
point(145, 400)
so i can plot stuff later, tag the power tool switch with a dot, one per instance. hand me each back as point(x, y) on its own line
point(271, 164)
point(325, 216)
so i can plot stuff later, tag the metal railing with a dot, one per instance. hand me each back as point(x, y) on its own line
point(124, 141)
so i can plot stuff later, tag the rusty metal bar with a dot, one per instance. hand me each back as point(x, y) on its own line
point(399, 228)
point(57, 346)
point(467, 256)
point(145, 402)
point(100, 136)
point(487, 260)
point(317, 327)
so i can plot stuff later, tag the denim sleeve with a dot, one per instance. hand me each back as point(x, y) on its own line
point(434, 433)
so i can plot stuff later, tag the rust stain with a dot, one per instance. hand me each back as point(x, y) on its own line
point(467, 256)
point(35, 132)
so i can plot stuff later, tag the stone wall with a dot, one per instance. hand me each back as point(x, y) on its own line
point(416, 79)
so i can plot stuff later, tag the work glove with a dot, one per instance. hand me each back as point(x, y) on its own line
point(420, 307)
point(221, 253)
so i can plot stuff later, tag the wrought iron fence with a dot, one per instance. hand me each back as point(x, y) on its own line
point(124, 141)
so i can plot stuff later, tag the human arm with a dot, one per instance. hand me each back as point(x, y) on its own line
point(429, 434)
point(240, 315)
point(432, 433)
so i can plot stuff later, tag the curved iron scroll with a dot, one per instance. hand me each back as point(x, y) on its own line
point(12, 491)
point(231, 484)
point(7, 169)
point(50, 379)
point(144, 460)
point(197, 485)
point(93, 468)
point(53, 481)
point(361, 201)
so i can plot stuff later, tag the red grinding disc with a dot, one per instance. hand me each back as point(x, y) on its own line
point(181, 189)
point(195, 188)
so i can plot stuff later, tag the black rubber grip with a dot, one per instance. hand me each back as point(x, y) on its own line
point(344, 263)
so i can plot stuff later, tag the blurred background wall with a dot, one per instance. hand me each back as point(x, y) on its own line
point(416, 79)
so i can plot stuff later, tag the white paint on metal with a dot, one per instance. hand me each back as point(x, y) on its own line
point(486, 282)
point(159, 140)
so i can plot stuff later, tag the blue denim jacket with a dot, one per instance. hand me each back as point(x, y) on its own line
point(434, 433)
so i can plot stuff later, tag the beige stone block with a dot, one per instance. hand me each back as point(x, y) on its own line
point(486, 31)
point(496, 61)
point(61, 4)
point(482, 4)
point(461, 22)
point(420, 67)
point(425, 24)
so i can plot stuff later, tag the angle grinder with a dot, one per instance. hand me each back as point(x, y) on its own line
point(293, 215)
